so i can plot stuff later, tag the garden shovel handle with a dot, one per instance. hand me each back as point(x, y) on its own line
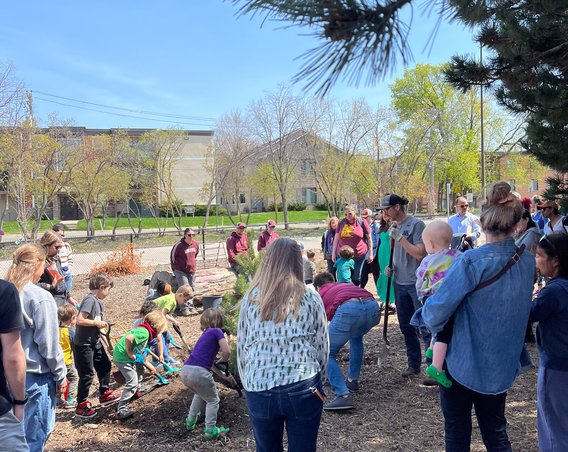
point(177, 329)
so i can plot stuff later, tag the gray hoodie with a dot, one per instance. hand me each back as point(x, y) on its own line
point(40, 337)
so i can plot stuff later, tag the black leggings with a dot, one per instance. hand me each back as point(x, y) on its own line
point(88, 359)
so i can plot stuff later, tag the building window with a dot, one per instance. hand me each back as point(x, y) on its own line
point(533, 185)
point(512, 184)
point(308, 167)
point(309, 195)
point(242, 199)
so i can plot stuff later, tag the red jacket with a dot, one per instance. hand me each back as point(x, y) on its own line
point(236, 245)
point(265, 239)
point(183, 256)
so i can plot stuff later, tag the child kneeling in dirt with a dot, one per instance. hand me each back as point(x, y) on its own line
point(128, 357)
point(196, 374)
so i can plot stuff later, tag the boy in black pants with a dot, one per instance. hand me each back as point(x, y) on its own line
point(88, 350)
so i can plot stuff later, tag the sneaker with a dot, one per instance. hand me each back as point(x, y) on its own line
point(352, 385)
point(410, 371)
point(124, 413)
point(429, 353)
point(438, 375)
point(192, 425)
point(140, 392)
point(340, 403)
point(67, 404)
point(215, 432)
point(84, 410)
point(391, 309)
point(108, 397)
point(172, 362)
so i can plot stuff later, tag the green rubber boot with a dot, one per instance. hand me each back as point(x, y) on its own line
point(192, 425)
point(439, 376)
point(215, 432)
point(429, 353)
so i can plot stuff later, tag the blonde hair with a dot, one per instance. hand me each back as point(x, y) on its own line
point(439, 232)
point(157, 320)
point(49, 238)
point(186, 291)
point(330, 220)
point(25, 261)
point(501, 211)
point(278, 284)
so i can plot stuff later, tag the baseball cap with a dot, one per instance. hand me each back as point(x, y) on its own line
point(545, 204)
point(365, 213)
point(391, 200)
point(241, 225)
point(271, 224)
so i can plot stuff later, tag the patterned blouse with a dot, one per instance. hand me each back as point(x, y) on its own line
point(276, 354)
point(432, 270)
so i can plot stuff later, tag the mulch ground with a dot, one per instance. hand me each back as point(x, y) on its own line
point(392, 413)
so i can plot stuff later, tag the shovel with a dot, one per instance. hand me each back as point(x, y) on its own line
point(177, 329)
point(385, 346)
point(169, 369)
point(161, 380)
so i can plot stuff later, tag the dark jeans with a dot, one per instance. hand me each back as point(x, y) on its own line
point(372, 268)
point(88, 359)
point(356, 272)
point(293, 405)
point(456, 403)
point(406, 304)
point(331, 268)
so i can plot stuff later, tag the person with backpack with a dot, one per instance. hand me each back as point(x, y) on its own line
point(356, 233)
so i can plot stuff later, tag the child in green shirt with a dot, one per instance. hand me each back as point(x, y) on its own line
point(127, 356)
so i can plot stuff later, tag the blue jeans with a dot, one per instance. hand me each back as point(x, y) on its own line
point(356, 272)
point(39, 419)
point(293, 405)
point(456, 403)
point(69, 282)
point(330, 267)
point(351, 321)
point(552, 410)
point(406, 304)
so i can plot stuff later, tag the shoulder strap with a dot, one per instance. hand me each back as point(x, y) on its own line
point(516, 257)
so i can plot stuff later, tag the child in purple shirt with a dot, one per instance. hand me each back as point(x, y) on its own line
point(196, 374)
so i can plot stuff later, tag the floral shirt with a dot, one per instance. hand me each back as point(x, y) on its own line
point(275, 354)
point(432, 271)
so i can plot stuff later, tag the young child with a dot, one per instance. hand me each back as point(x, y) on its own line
point(88, 350)
point(128, 357)
point(67, 315)
point(309, 267)
point(147, 307)
point(157, 343)
point(345, 264)
point(196, 374)
point(168, 304)
point(437, 237)
point(550, 310)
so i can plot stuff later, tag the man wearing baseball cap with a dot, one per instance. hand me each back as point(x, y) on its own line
point(267, 236)
point(237, 243)
point(409, 250)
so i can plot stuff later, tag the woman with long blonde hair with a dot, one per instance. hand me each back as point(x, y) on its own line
point(282, 350)
point(46, 370)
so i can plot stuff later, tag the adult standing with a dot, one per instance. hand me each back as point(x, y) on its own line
point(183, 259)
point(537, 213)
point(373, 266)
point(527, 232)
point(464, 222)
point(282, 351)
point(267, 236)
point(409, 250)
point(383, 258)
point(555, 222)
point(46, 372)
point(489, 325)
point(352, 312)
point(65, 256)
point(327, 242)
point(354, 232)
point(550, 310)
point(12, 370)
point(237, 243)
point(52, 278)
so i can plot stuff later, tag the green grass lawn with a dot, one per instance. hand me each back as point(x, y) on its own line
point(11, 227)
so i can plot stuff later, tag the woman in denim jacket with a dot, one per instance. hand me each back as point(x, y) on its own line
point(489, 326)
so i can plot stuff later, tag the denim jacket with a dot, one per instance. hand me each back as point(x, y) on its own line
point(489, 323)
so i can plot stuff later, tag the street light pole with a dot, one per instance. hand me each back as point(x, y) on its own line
point(483, 191)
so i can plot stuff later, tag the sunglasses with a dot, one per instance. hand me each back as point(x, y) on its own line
point(190, 235)
point(463, 205)
point(349, 214)
point(547, 207)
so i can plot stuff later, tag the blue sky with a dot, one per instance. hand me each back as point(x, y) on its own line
point(185, 57)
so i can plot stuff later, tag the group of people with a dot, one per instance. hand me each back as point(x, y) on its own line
point(467, 312)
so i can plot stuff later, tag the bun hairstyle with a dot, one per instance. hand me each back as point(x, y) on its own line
point(501, 211)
